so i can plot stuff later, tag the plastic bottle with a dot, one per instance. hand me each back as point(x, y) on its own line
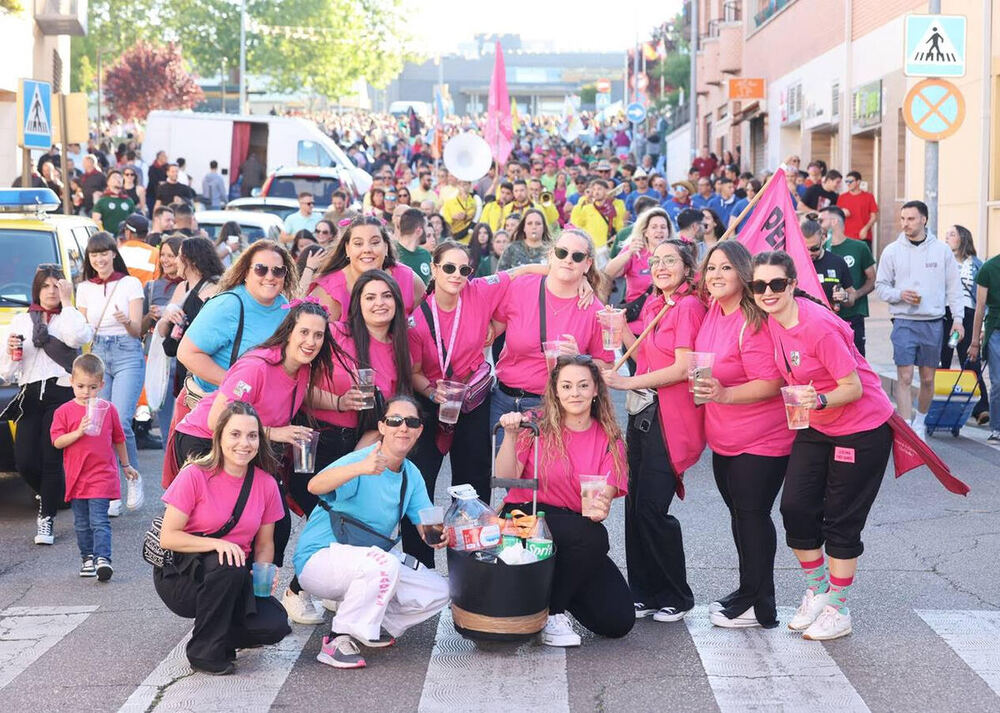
point(953, 340)
point(540, 542)
point(508, 533)
point(470, 524)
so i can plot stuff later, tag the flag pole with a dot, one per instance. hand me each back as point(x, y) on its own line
point(746, 211)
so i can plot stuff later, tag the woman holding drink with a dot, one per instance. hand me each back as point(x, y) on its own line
point(665, 437)
point(746, 429)
point(651, 227)
point(837, 463)
point(578, 435)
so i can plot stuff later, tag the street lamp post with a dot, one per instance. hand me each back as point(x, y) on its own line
point(243, 56)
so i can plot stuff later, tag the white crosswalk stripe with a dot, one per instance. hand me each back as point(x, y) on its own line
point(28, 632)
point(973, 635)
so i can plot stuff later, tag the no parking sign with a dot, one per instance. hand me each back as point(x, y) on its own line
point(934, 109)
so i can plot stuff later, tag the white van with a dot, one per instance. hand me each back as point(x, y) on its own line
point(276, 140)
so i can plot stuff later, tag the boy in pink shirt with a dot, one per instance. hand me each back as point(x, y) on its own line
point(90, 465)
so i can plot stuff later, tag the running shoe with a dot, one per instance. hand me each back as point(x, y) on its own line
point(746, 620)
point(104, 569)
point(301, 608)
point(668, 614)
point(115, 508)
point(384, 641)
point(330, 605)
point(831, 624)
point(559, 632)
point(642, 611)
point(87, 569)
point(810, 608)
point(994, 437)
point(213, 668)
point(340, 652)
point(43, 531)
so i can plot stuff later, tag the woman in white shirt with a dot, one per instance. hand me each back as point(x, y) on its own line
point(49, 336)
point(111, 301)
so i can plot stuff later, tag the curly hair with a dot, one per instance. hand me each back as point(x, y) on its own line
point(236, 275)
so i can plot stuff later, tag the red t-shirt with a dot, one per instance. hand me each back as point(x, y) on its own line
point(335, 285)
point(732, 429)
point(522, 362)
point(861, 206)
point(208, 501)
point(479, 299)
point(587, 453)
point(90, 463)
point(820, 350)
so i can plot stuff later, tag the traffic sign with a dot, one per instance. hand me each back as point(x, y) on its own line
point(934, 109)
point(35, 117)
point(934, 46)
point(603, 86)
point(636, 113)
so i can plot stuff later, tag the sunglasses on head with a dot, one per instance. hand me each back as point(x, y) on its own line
point(450, 267)
point(260, 270)
point(397, 421)
point(577, 256)
point(777, 285)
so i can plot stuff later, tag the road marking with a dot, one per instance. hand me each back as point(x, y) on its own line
point(461, 673)
point(28, 632)
point(771, 667)
point(260, 674)
point(973, 636)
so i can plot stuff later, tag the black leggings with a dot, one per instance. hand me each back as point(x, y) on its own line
point(37, 460)
point(749, 484)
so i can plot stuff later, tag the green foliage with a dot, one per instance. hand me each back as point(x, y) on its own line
point(588, 94)
point(11, 6)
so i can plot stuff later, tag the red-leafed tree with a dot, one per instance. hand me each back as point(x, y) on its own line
point(148, 77)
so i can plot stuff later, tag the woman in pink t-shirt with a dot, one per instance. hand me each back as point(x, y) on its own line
point(208, 578)
point(651, 228)
point(837, 463)
point(665, 437)
point(579, 435)
point(364, 246)
point(746, 429)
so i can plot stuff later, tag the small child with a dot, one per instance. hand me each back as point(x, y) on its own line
point(89, 462)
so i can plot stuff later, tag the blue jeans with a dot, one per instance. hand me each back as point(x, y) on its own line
point(505, 403)
point(124, 376)
point(992, 358)
point(166, 412)
point(93, 528)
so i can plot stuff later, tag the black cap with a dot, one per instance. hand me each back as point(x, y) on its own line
point(137, 223)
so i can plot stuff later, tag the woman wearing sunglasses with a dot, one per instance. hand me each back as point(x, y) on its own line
point(746, 429)
point(132, 188)
point(371, 488)
point(364, 246)
point(837, 463)
point(665, 436)
point(579, 434)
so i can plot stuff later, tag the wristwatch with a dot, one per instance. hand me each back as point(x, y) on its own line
point(820, 402)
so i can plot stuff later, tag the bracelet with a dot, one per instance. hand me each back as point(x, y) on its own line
point(337, 407)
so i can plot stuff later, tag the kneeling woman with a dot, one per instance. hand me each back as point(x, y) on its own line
point(209, 579)
point(579, 434)
point(366, 493)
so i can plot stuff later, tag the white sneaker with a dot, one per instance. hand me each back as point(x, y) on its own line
point(715, 607)
point(330, 605)
point(810, 608)
point(831, 624)
point(668, 614)
point(559, 632)
point(134, 495)
point(114, 508)
point(642, 610)
point(43, 531)
point(745, 620)
point(300, 608)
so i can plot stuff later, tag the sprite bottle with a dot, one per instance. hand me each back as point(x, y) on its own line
point(540, 542)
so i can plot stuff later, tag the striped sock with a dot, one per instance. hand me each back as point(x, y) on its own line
point(815, 575)
point(838, 592)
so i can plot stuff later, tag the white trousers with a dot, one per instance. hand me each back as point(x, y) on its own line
point(374, 589)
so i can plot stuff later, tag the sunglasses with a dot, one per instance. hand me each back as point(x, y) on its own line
point(815, 248)
point(562, 253)
point(397, 421)
point(450, 267)
point(260, 270)
point(655, 262)
point(128, 173)
point(777, 285)
point(322, 231)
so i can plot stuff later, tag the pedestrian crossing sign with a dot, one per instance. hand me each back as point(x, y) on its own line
point(934, 46)
point(35, 125)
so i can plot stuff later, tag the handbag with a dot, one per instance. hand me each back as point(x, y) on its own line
point(480, 383)
point(157, 380)
point(634, 307)
point(353, 532)
point(153, 552)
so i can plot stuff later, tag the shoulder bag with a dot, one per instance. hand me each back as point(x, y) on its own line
point(194, 392)
point(480, 382)
point(351, 531)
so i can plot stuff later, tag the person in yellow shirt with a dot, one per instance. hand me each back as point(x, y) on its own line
point(492, 213)
point(460, 211)
point(600, 216)
point(522, 201)
point(547, 207)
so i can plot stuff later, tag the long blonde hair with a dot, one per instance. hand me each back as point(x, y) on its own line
point(642, 222)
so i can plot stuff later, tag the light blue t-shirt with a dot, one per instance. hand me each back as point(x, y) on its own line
point(214, 329)
point(372, 499)
point(296, 222)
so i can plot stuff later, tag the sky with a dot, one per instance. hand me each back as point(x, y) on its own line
point(439, 26)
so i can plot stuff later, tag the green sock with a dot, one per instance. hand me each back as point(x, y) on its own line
point(816, 575)
point(838, 592)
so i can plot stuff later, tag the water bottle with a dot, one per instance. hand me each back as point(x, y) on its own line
point(540, 542)
point(508, 533)
point(953, 339)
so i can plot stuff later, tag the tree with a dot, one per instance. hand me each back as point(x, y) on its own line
point(148, 77)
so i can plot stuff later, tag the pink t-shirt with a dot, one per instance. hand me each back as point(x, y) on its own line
point(258, 378)
point(637, 274)
point(587, 453)
point(732, 429)
point(90, 463)
point(479, 299)
point(208, 501)
point(820, 350)
point(522, 362)
point(335, 285)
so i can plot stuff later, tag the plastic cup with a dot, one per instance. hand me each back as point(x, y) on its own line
point(304, 453)
point(699, 364)
point(366, 385)
point(553, 350)
point(590, 487)
point(612, 321)
point(263, 578)
point(795, 410)
point(97, 409)
point(432, 519)
point(454, 394)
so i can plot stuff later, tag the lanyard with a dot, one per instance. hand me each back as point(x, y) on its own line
point(444, 357)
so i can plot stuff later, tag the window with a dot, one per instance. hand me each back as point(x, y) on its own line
point(322, 187)
point(311, 153)
point(23, 251)
point(77, 249)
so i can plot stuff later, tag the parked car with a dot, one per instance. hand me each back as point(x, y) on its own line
point(255, 225)
point(321, 182)
point(281, 207)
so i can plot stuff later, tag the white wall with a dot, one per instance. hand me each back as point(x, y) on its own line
point(679, 153)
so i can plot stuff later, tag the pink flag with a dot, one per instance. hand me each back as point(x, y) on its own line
point(773, 225)
point(498, 130)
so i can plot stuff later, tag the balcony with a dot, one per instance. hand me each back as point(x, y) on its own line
point(61, 17)
point(731, 47)
point(710, 48)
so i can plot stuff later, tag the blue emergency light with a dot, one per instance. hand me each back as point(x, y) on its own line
point(23, 200)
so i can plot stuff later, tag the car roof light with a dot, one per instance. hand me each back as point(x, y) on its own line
point(23, 200)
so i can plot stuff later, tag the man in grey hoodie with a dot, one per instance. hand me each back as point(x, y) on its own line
point(918, 276)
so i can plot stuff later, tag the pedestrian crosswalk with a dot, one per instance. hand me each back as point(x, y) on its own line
point(974, 636)
point(28, 632)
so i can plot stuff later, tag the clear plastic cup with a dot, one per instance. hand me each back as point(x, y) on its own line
point(366, 385)
point(590, 487)
point(97, 409)
point(454, 394)
point(304, 453)
point(612, 321)
point(699, 361)
point(432, 519)
point(263, 578)
point(553, 350)
point(795, 410)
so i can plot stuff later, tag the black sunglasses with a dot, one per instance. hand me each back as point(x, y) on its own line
point(577, 256)
point(397, 421)
point(450, 267)
point(815, 248)
point(260, 270)
point(778, 284)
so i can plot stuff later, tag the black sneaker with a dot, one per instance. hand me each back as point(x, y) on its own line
point(213, 668)
point(87, 569)
point(104, 569)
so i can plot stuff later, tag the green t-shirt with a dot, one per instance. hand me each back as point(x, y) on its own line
point(114, 210)
point(989, 277)
point(858, 257)
point(418, 260)
point(621, 237)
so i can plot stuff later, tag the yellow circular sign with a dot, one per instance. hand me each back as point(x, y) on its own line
point(934, 109)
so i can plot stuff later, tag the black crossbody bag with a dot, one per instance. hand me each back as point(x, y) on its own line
point(351, 531)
